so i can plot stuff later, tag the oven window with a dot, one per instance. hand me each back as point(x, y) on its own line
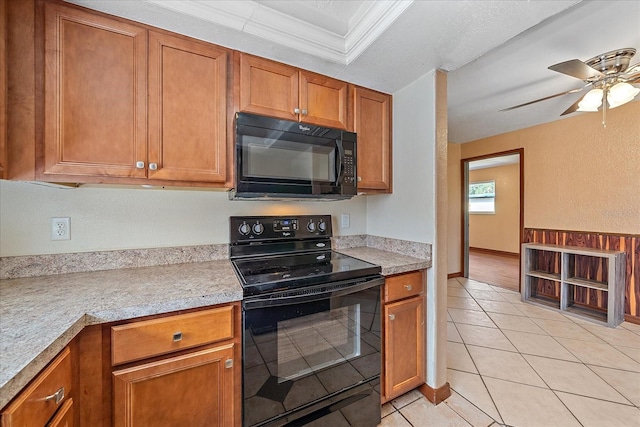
point(268, 158)
point(317, 341)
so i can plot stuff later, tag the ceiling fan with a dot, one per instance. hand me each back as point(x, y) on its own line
point(608, 75)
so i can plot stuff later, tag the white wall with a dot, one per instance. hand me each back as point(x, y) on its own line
point(408, 213)
point(107, 218)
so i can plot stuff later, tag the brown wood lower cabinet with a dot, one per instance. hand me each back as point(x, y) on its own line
point(404, 334)
point(178, 369)
point(193, 390)
point(64, 417)
point(46, 399)
point(190, 372)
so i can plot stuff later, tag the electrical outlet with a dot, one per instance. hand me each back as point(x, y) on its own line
point(61, 228)
point(345, 220)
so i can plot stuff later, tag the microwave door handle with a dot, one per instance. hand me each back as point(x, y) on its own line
point(340, 155)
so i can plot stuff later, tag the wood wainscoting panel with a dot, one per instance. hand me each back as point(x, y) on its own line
point(591, 267)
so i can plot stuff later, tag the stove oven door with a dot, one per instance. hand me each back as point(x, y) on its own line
point(312, 356)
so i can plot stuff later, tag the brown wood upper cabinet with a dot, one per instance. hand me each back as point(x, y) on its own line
point(372, 123)
point(187, 109)
point(278, 90)
point(100, 94)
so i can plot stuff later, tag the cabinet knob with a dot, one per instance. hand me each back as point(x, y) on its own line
point(304, 112)
point(153, 166)
point(177, 337)
point(408, 287)
point(359, 178)
point(392, 317)
point(139, 165)
point(296, 110)
point(57, 396)
point(228, 363)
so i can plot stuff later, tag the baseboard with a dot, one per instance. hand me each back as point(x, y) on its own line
point(454, 275)
point(632, 319)
point(494, 252)
point(435, 396)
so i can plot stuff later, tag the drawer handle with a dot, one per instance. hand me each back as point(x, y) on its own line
point(408, 287)
point(57, 396)
point(177, 337)
point(392, 317)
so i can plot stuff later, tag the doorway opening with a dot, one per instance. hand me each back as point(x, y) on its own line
point(493, 217)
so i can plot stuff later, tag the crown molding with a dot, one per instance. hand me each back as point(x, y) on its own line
point(269, 24)
point(368, 26)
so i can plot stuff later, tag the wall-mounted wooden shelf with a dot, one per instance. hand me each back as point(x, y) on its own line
point(572, 269)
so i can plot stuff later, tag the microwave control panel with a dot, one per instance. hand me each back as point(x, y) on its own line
point(349, 164)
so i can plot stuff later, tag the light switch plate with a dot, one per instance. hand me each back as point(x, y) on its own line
point(345, 220)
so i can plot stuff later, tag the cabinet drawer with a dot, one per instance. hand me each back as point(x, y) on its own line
point(403, 286)
point(150, 338)
point(40, 400)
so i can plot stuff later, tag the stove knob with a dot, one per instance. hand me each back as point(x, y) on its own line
point(322, 226)
point(258, 228)
point(244, 229)
point(311, 226)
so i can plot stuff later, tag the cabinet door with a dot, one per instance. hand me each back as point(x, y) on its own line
point(187, 109)
point(3, 92)
point(268, 88)
point(372, 124)
point(404, 346)
point(64, 417)
point(37, 403)
point(195, 389)
point(95, 94)
point(323, 100)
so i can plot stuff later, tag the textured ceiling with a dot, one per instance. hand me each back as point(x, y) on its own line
point(496, 52)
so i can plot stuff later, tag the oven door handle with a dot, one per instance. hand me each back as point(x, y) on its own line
point(307, 295)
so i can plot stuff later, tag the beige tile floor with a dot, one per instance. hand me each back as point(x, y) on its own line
point(516, 364)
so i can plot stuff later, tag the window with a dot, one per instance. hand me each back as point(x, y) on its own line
point(482, 197)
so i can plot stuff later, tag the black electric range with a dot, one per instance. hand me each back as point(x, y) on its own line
point(311, 320)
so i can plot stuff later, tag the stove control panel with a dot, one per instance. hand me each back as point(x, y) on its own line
point(274, 228)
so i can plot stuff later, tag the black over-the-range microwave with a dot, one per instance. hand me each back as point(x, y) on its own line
point(280, 159)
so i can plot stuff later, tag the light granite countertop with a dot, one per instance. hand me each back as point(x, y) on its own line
point(40, 315)
point(391, 262)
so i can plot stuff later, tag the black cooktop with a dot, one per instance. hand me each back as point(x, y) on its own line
point(296, 268)
point(276, 253)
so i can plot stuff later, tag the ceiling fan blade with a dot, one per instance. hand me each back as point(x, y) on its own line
point(576, 68)
point(634, 79)
point(544, 99)
point(572, 109)
point(635, 68)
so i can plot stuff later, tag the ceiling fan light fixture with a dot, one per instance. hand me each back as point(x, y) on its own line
point(591, 101)
point(620, 94)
